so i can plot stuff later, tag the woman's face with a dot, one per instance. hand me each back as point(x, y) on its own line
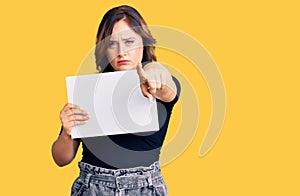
point(125, 48)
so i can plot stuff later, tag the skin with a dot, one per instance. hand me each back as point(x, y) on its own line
point(156, 81)
point(124, 44)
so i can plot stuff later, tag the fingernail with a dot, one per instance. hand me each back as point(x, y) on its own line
point(151, 99)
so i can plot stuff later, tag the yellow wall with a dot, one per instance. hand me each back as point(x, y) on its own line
point(255, 44)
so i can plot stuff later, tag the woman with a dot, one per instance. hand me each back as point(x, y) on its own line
point(123, 43)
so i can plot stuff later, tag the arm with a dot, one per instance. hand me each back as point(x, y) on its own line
point(65, 148)
point(157, 81)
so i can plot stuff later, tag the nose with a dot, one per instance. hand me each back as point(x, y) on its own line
point(122, 49)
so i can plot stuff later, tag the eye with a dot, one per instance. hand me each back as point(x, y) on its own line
point(129, 42)
point(112, 44)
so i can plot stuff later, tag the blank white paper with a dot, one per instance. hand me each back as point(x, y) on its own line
point(114, 102)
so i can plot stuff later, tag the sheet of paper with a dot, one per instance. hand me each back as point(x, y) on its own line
point(114, 102)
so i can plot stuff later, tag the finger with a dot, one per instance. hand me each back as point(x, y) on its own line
point(158, 82)
point(71, 112)
point(75, 118)
point(76, 123)
point(68, 106)
point(144, 89)
point(72, 123)
point(152, 86)
point(141, 72)
point(146, 93)
point(80, 117)
point(78, 111)
point(80, 122)
point(71, 106)
point(163, 79)
point(71, 115)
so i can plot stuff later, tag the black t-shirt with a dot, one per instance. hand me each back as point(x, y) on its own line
point(130, 150)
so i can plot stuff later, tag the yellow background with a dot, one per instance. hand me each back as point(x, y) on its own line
point(255, 44)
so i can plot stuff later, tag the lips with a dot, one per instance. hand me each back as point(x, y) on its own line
point(123, 62)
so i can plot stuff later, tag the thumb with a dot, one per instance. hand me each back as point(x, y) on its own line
point(146, 93)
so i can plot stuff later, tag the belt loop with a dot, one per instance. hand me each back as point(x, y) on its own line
point(118, 183)
point(149, 179)
point(87, 179)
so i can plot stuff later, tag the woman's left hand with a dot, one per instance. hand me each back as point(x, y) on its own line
point(156, 81)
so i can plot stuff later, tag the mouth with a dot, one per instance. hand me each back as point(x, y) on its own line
point(123, 62)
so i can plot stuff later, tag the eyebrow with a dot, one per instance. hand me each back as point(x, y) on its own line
point(123, 39)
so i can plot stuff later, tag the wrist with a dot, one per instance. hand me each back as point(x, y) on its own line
point(65, 134)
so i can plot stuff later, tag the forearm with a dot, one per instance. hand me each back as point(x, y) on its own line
point(64, 149)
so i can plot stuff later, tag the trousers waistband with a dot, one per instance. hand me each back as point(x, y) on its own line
point(118, 172)
point(128, 178)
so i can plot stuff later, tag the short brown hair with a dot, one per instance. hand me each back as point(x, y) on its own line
point(135, 21)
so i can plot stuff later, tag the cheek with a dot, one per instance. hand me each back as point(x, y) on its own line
point(138, 53)
point(110, 55)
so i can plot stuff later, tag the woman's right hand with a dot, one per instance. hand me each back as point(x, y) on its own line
point(72, 115)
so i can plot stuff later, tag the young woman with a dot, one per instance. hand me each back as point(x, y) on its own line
point(123, 43)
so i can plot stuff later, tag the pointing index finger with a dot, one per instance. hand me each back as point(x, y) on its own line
point(142, 74)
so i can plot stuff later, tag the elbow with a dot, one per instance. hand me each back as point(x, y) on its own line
point(61, 162)
point(61, 159)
